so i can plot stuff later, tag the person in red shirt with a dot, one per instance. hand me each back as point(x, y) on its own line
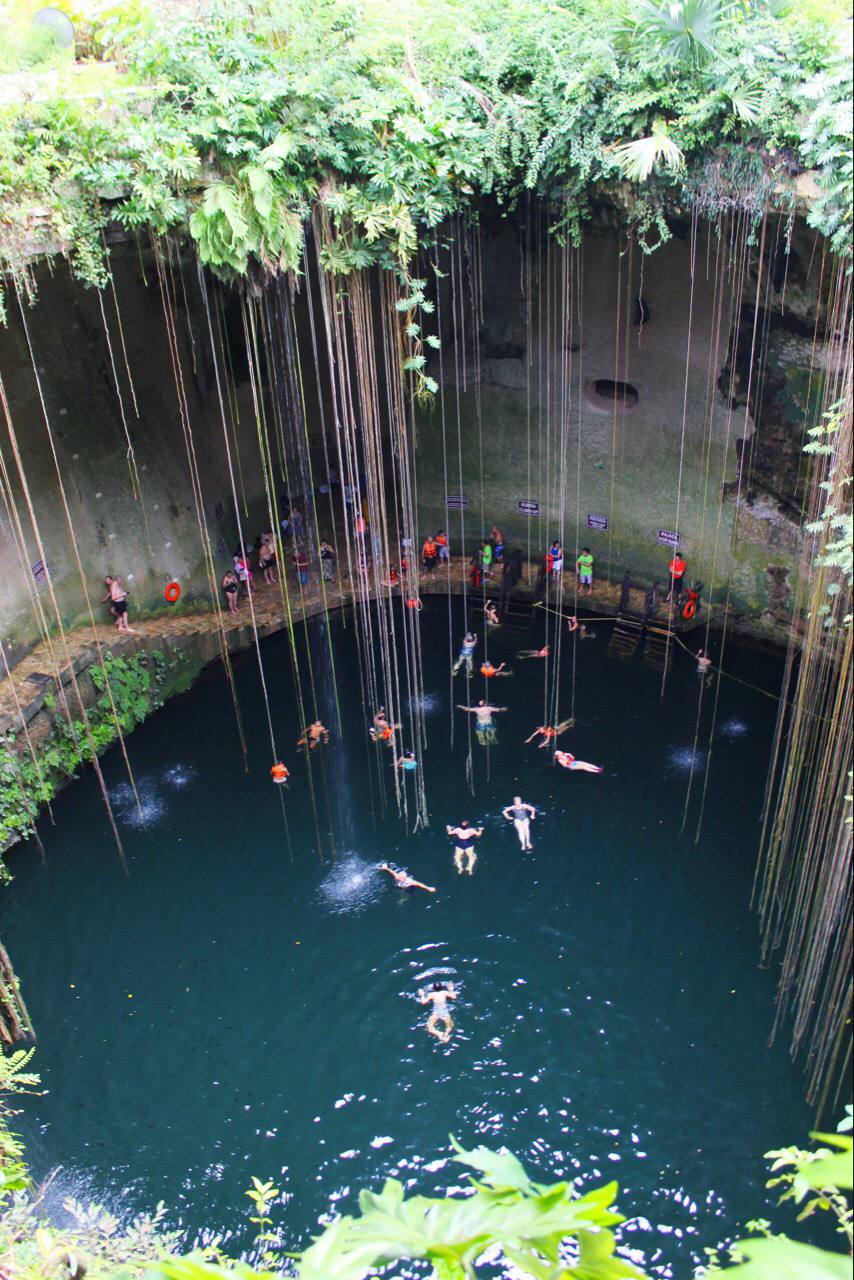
point(677, 573)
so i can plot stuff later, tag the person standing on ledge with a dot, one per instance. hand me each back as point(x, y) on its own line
point(584, 569)
point(465, 836)
point(677, 568)
point(521, 815)
point(231, 586)
point(118, 599)
point(430, 554)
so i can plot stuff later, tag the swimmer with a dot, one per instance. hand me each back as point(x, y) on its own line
point(464, 852)
point(569, 762)
point(548, 732)
point(280, 774)
point(403, 880)
point(381, 730)
point(483, 713)
point(488, 670)
point(466, 653)
point(313, 735)
point(438, 995)
point(491, 614)
point(574, 625)
point(534, 653)
point(704, 662)
point(407, 762)
point(521, 815)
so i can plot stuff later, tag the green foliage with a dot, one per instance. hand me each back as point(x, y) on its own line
point(390, 118)
point(817, 1181)
point(132, 685)
point(527, 1223)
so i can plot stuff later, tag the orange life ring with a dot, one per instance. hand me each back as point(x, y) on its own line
point(172, 592)
point(690, 609)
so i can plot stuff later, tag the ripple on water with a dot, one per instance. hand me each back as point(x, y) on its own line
point(147, 812)
point(733, 729)
point(430, 704)
point(681, 761)
point(352, 885)
point(179, 776)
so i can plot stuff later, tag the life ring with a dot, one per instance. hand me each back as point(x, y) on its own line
point(689, 610)
point(172, 592)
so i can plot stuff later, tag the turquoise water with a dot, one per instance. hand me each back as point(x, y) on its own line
point(244, 1004)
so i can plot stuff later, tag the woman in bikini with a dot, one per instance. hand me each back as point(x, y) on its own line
point(438, 994)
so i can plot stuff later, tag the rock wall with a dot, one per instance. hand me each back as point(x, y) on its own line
point(519, 419)
point(524, 421)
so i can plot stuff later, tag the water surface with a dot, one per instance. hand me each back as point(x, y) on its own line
point(244, 1003)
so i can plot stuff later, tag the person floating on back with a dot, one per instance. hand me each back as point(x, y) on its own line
point(280, 774)
point(484, 728)
point(466, 653)
point(584, 569)
point(403, 880)
point(438, 995)
point(548, 732)
point(521, 815)
point(465, 836)
point(407, 762)
point(569, 761)
point(534, 653)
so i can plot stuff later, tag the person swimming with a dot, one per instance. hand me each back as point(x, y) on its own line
point(488, 670)
point(466, 653)
point(534, 653)
point(313, 735)
point(548, 732)
point(491, 614)
point(568, 761)
point(438, 995)
point(407, 762)
point(381, 730)
point(280, 774)
point(403, 880)
point(465, 836)
point(484, 728)
point(521, 815)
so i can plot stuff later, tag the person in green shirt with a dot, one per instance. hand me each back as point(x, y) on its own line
point(584, 569)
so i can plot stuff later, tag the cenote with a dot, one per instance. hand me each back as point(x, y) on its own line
point(343, 344)
point(240, 1005)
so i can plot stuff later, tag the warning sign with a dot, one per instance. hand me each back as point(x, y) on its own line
point(526, 507)
point(597, 522)
point(668, 538)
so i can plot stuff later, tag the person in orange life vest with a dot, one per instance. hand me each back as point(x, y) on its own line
point(430, 554)
point(279, 774)
point(488, 670)
point(677, 568)
point(441, 541)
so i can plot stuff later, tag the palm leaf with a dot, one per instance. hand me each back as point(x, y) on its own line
point(638, 159)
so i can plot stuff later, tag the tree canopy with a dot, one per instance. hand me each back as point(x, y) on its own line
point(236, 119)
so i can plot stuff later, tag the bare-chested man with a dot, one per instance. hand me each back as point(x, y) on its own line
point(118, 599)
point(313, 735)
point(483, 713)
